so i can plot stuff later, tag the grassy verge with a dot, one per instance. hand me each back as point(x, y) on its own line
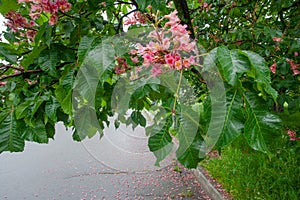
point(248, 174)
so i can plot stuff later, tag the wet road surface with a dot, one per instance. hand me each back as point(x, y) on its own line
point(117, 167)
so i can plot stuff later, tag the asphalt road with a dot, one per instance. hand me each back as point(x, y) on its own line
point(119, 166)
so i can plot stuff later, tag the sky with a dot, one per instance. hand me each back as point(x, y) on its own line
point(2, 27)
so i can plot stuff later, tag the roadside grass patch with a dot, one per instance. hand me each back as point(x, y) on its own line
point(249, 174)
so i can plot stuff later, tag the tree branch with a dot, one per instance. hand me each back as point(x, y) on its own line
point(21, 73)
point(121, 19)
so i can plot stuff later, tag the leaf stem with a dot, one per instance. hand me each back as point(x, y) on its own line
point(177, 92)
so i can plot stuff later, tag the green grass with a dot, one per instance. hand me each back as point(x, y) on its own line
point(248, 174)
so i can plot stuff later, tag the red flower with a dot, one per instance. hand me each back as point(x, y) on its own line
point(273, 68)
point(275, 39)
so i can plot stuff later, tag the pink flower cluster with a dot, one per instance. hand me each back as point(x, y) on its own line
point(48, 6)
point(294, 66)
point(122, 65)
point(292, 135)
point(138, 17)
point(167, 48)
point(17, 23)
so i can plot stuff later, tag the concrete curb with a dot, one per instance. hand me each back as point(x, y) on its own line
point(207, 186)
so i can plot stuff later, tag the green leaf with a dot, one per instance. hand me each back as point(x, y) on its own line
point(86, 122)
point(48, 60)
point(22, 110)
point(63, 99)
point(8, 5)
point(10, 139)
point(86, 83)
point(29, 58)
point(233, 125)
point(84, 47)
point(138, 118)
point(261, 73)
point(35, 134)
point(36, 106)
point(259, 122)
point(190, 142)
point(160, 141)
point(50, 130)
point(7, 53)
point(233, 65)
point(66, 104)
point(51, 107)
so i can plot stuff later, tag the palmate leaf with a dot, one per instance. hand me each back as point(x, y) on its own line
point(190, 142)
point(259, 122)
point(160, 141)
point(234, 119)
point(10, 139)
point(233, 65)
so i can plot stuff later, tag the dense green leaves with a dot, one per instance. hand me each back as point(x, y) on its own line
point(67, 73)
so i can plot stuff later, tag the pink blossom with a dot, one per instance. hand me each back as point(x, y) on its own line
point(170, 60)
point(53, 19)
point(275, 39)
point(3, 83)
point(178, 65)
point(138, 17)
point(34, 15)
point(294, 66)
point(30, 34)
point(273, 68)
point(179, 30)
point(166, 43)
point(296, 72)
point(296, 54)
point(134, 59)
point(187, 62)
point(64, 6)
point(292, 135)
point(172, 17)
point(148, 57)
